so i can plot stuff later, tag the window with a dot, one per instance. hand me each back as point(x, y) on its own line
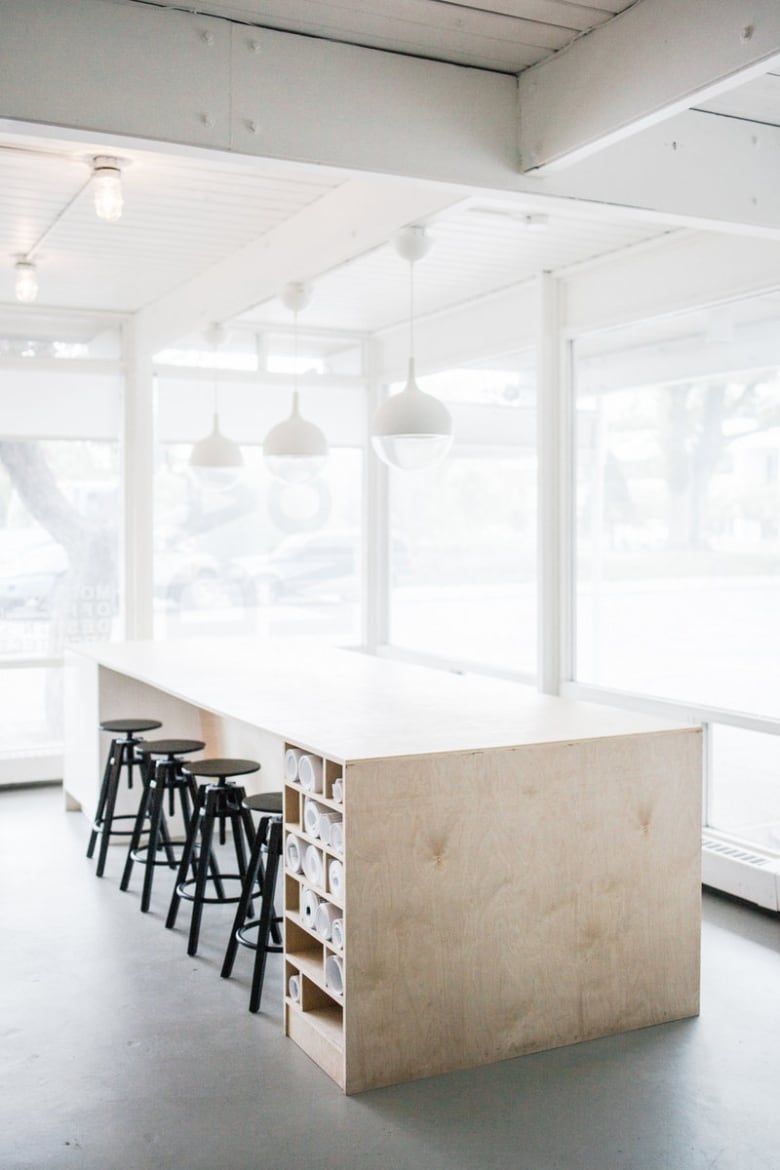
point(744, 799)
point(463, 534)
point(678, 500)
point(237, 552)
point(58, 571)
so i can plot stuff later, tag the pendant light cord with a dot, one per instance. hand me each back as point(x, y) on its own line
point(411, 310)
point(57, 219)
point(295, 350)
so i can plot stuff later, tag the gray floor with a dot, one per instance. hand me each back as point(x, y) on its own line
point(119, 1051)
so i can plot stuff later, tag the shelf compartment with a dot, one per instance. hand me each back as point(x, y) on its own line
point(333, 772)
point(320, 797)
point(321, 1036)
point(307, 943)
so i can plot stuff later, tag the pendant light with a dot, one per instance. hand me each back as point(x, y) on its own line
point(412, 430)
point(107, 186)
point(26, 286)
point(216, 450)
point(295, 450)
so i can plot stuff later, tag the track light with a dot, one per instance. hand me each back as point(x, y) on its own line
point(107, 186)
point(26, 281)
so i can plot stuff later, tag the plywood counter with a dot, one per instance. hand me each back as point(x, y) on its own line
point(520, 871)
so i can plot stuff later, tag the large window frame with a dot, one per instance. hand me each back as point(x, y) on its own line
point(730, 862)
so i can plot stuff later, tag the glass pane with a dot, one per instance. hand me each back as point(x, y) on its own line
point(59, 504)
point(678, 500)
point(745, 789)
point(463, 559)
point(239, 552)
point(32, 710)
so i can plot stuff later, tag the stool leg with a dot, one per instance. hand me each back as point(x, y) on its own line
point(245, 903)
point(167, 843)
point(186, 858)
point(108, 815)
point(188, 796)
point(101, 805)
point(266, 914)
point(206, 833)
point(135, 840)
point(157, 787)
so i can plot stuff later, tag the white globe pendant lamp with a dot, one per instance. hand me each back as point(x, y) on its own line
point(295, 450)
point(216, 450)
point(411, 430)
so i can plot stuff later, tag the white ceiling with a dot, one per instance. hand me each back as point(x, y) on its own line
point(184, 213)
point(502, 35)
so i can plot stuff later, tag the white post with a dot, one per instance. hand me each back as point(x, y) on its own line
point(551, 414)
point(137, 450)
point(376, 548)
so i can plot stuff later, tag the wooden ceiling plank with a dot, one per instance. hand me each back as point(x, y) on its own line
point(559, 13)
point(414, 25)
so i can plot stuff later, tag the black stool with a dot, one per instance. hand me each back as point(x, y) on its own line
point(217, 804)
point(260, 881)
point(163, 774)
point(122, 754)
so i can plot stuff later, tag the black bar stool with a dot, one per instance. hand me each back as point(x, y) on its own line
point(163, 774)
point(122, 754)
point(219, 804)
point(260, 881)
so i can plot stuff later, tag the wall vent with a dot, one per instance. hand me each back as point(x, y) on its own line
point(745, 873)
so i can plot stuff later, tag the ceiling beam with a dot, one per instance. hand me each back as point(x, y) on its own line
point(361, 214)
point(654, 60)
point(696, 170)
point(148, 74)
point(138, 74)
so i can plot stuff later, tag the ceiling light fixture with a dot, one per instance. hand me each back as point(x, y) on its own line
point(106, 179)
point(295, 450)
point(107, 186)
point(412, 430)
point(26, 287)
point(216, 450)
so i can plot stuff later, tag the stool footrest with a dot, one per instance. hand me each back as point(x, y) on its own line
point(189, 895)
point(251, 943)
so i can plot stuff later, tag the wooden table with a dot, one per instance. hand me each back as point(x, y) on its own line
point(520, 871)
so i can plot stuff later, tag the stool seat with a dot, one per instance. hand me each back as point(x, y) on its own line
point(219, 805)
point(163, 773)
point(122, 755)
point(221, 769)
point(130, 725)
point(170, 747)
point(266, 802)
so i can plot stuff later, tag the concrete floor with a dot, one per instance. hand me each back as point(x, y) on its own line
point(119, 1052)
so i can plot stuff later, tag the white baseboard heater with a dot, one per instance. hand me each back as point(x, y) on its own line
point(741, 870)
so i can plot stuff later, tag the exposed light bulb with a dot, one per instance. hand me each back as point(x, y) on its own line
point(107, 187)
point(26, 281)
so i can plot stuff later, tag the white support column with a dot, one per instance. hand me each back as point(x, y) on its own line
point(137, 448)
point(550, 446)
point(376, 561)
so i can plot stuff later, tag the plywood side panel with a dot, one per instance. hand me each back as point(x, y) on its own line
point(508, 901)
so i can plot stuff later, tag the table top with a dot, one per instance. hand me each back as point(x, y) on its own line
point(353, 706)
